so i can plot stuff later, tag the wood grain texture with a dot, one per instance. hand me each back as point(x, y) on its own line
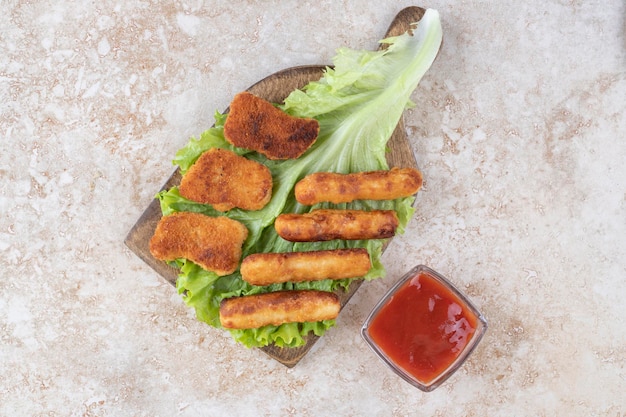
point(275, 88)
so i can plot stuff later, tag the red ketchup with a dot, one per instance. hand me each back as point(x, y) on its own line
point(423, 327)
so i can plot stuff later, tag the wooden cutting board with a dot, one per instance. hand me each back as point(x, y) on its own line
point(276, 88)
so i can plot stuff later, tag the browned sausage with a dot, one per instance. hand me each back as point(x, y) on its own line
point(322, 225)
point(273, 268)
point(344, 188)
point(276, 308)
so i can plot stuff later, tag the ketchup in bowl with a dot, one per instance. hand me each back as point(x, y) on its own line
point(424, 328)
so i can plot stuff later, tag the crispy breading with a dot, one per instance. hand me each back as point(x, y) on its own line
point(274, 268)
point(276, 308)
point(226, 180)
point(254, 123)
point(322, 225)
point(214, 243)
point(344, 188)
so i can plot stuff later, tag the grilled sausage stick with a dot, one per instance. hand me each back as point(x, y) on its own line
point(323, 225)
point(276, 308)
point(274, 268)
point(371, 185)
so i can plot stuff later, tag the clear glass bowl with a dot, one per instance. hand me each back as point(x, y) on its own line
point(424, 325)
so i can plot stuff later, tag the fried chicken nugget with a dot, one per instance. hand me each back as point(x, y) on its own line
point(214, 243)
point(276, 308)
point(322, 225)
point(274, 268)
point(254, 123)
point(227, 180)
point(344, 188)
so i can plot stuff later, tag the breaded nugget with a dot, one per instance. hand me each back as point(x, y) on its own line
point(344, 188)
point(254, 123)
point(322, 225)
point(214, 243)
point(274, 268)
point(276, 308)
point(227, 180)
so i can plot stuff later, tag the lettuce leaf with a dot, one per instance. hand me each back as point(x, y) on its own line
point(358, 103)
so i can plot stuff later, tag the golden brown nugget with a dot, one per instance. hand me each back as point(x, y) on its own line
point(275, 268)
point(214, 243)
point(322, 225)
point(276, 308)
point(227, 180)
point(254, 123)
point(344, 188)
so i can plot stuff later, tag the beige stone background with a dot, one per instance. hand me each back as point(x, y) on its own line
point(519, 130)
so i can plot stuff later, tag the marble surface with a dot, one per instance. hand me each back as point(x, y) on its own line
point(519, 131)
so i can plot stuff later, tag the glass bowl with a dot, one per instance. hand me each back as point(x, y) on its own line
point(424, 328)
